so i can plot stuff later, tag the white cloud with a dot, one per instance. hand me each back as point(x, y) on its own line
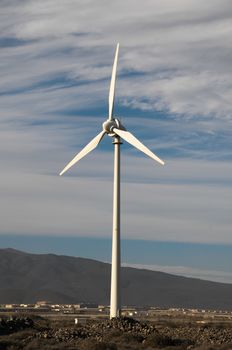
point(182, 47)
point(210, 275)
point(165, 207)
point(175, 57)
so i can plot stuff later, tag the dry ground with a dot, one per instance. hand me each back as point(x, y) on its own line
point(118, 334)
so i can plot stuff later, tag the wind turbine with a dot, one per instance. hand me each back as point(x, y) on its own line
point(114, 128)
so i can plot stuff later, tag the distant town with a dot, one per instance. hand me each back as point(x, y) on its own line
point(91, 310)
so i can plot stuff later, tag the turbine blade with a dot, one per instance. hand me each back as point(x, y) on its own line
point(127, 136)
point(112, 84)
point(88, 148)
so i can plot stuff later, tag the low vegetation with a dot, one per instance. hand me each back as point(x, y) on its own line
point(118, 334)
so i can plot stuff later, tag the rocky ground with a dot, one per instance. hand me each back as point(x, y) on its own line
point(117, 334)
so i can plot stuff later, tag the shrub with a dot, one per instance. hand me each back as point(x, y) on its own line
point(159, 341)
point(89, 344)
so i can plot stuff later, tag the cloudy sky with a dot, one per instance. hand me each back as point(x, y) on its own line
point(174, 92)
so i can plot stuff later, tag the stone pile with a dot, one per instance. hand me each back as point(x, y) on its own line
point(65, 334)
point(98, 330)
point(129, 325)
point(120, 332)
point(142, 332)
point(199, 335)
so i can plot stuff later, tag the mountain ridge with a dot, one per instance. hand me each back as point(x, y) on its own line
point(27, 277)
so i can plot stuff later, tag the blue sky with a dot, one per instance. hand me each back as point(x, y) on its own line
point(173, 92)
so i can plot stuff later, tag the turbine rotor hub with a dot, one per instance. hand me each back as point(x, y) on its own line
point(109, 125)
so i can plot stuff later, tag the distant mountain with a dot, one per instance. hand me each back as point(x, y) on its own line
point(26, 278)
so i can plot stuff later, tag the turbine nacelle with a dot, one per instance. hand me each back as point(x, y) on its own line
point(109, 125)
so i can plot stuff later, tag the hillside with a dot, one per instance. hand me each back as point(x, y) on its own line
point(26, 278)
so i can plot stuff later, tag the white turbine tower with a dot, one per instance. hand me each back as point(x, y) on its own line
point(116, 130)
